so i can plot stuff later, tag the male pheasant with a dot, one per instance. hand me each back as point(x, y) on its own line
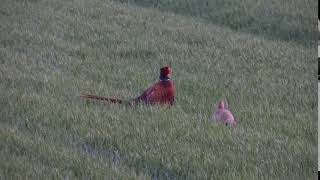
point(161, 92)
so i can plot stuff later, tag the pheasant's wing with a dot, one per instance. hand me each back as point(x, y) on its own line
point(145, 95)
point(156, 93)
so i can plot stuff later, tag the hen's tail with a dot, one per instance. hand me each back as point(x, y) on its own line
point(101, 98)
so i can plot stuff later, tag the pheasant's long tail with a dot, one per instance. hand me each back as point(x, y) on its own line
point(101, 98)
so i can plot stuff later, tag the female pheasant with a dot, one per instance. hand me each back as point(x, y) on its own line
point(221, 113)
point(161, 92)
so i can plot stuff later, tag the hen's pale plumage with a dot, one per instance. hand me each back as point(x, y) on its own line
point(223, 114)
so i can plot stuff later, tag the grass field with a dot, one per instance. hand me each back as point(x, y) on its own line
point(258, 55)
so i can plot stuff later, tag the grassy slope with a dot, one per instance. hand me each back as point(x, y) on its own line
point(273, 19)
point(50, 51)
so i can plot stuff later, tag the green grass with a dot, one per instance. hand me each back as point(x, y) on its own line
point(51, 51)
point(276, 19)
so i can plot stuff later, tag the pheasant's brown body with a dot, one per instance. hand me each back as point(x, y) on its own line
point(162, 92)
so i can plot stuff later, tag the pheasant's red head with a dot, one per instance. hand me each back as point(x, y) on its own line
point(165, 71)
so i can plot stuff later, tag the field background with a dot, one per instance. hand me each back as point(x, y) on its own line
point(257, 55)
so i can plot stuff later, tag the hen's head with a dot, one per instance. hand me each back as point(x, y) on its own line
point(220, 105)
